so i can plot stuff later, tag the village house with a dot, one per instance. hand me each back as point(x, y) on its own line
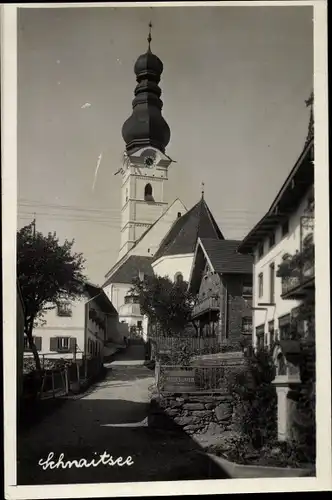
point(221, 280)
point(282, 244)
point(86, 327)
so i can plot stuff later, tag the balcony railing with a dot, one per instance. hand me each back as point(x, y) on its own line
point(205, 305)
point(297, 272)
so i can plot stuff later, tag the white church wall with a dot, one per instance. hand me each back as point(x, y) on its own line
point(151, 242)
point(170, 265)
point(116, 293)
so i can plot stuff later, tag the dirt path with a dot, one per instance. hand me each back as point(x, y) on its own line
point(106, 420)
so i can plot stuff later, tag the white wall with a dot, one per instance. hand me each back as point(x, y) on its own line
point(170, 265)
point(61, 326)
point(116, 293)
point(287, 244)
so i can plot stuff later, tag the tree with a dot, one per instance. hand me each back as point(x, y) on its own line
point(48, 273)
point(167, 305)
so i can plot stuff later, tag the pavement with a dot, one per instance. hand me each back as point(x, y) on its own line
point(111, 419)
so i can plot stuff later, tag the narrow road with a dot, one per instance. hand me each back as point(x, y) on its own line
point(108, 420)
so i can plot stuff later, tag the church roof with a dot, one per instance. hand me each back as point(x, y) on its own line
point(224, 257)
point(198, 222)
point(130, 270)
point(125, 257)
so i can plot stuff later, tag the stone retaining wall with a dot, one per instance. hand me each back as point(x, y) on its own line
point(197, 413)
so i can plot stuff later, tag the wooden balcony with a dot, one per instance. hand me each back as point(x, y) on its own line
point(206, 305)
point(300, 283)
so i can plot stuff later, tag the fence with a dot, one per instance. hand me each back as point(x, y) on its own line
point(61, 380)
point(193, 379)
point(169, 344)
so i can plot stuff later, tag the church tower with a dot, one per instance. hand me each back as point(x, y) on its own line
point(145, 164)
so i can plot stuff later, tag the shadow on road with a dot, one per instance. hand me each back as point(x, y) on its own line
point(80, 429)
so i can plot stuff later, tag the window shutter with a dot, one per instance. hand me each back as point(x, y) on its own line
point(53, 343)
point(38, 343)
point(72, 344)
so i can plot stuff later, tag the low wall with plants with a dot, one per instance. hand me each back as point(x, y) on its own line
point(195, 413)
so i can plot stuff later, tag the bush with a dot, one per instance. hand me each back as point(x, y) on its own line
point(255, 399)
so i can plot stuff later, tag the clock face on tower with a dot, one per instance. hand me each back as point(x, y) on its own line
point(150, 159)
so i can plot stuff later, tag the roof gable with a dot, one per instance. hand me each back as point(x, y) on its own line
point(138, 247)
point(222, 257)
point(182, 237)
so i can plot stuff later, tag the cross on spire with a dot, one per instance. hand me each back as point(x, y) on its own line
point(202, 186)
point(149, 37)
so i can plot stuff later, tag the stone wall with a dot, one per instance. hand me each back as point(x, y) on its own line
point(196, 414)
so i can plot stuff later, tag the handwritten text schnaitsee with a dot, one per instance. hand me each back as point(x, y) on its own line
point(104, 459)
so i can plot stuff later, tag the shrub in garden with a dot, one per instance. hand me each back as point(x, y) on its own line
point(255, 399)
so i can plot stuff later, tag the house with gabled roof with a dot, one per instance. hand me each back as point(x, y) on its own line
point(175, 254)
point(221, 279)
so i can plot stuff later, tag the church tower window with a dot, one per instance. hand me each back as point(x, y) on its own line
point(148, 193)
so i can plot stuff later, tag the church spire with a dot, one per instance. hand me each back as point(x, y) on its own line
point(149, 37)
point(146, 125)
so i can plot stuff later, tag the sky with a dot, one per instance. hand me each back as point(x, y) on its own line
point(234, 87)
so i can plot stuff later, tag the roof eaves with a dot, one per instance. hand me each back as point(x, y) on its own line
point(271, 218)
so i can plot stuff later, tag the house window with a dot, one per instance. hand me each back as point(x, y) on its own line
point(284, 327)
point(63, 343)
point(139, 325)
point(272, 240)
point(260, 285)
point(272, 283)
point(36, 340)
point(148, 193)
point(178, 278)
point(64, 309)
point(247, 325)
point(247, 291)
point(285, 228)
point(261, 250)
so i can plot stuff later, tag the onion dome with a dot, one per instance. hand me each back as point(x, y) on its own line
point(146, 125)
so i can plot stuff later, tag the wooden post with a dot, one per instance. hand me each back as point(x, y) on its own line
point(66, 380)
point(53, 391)
point(157, 374)
point(78, 372)
point(85, 368)
point(42, 386)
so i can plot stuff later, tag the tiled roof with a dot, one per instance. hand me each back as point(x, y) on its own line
point(183, 235)
point(130, 269)
point(98, 294)
point(224, 257)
